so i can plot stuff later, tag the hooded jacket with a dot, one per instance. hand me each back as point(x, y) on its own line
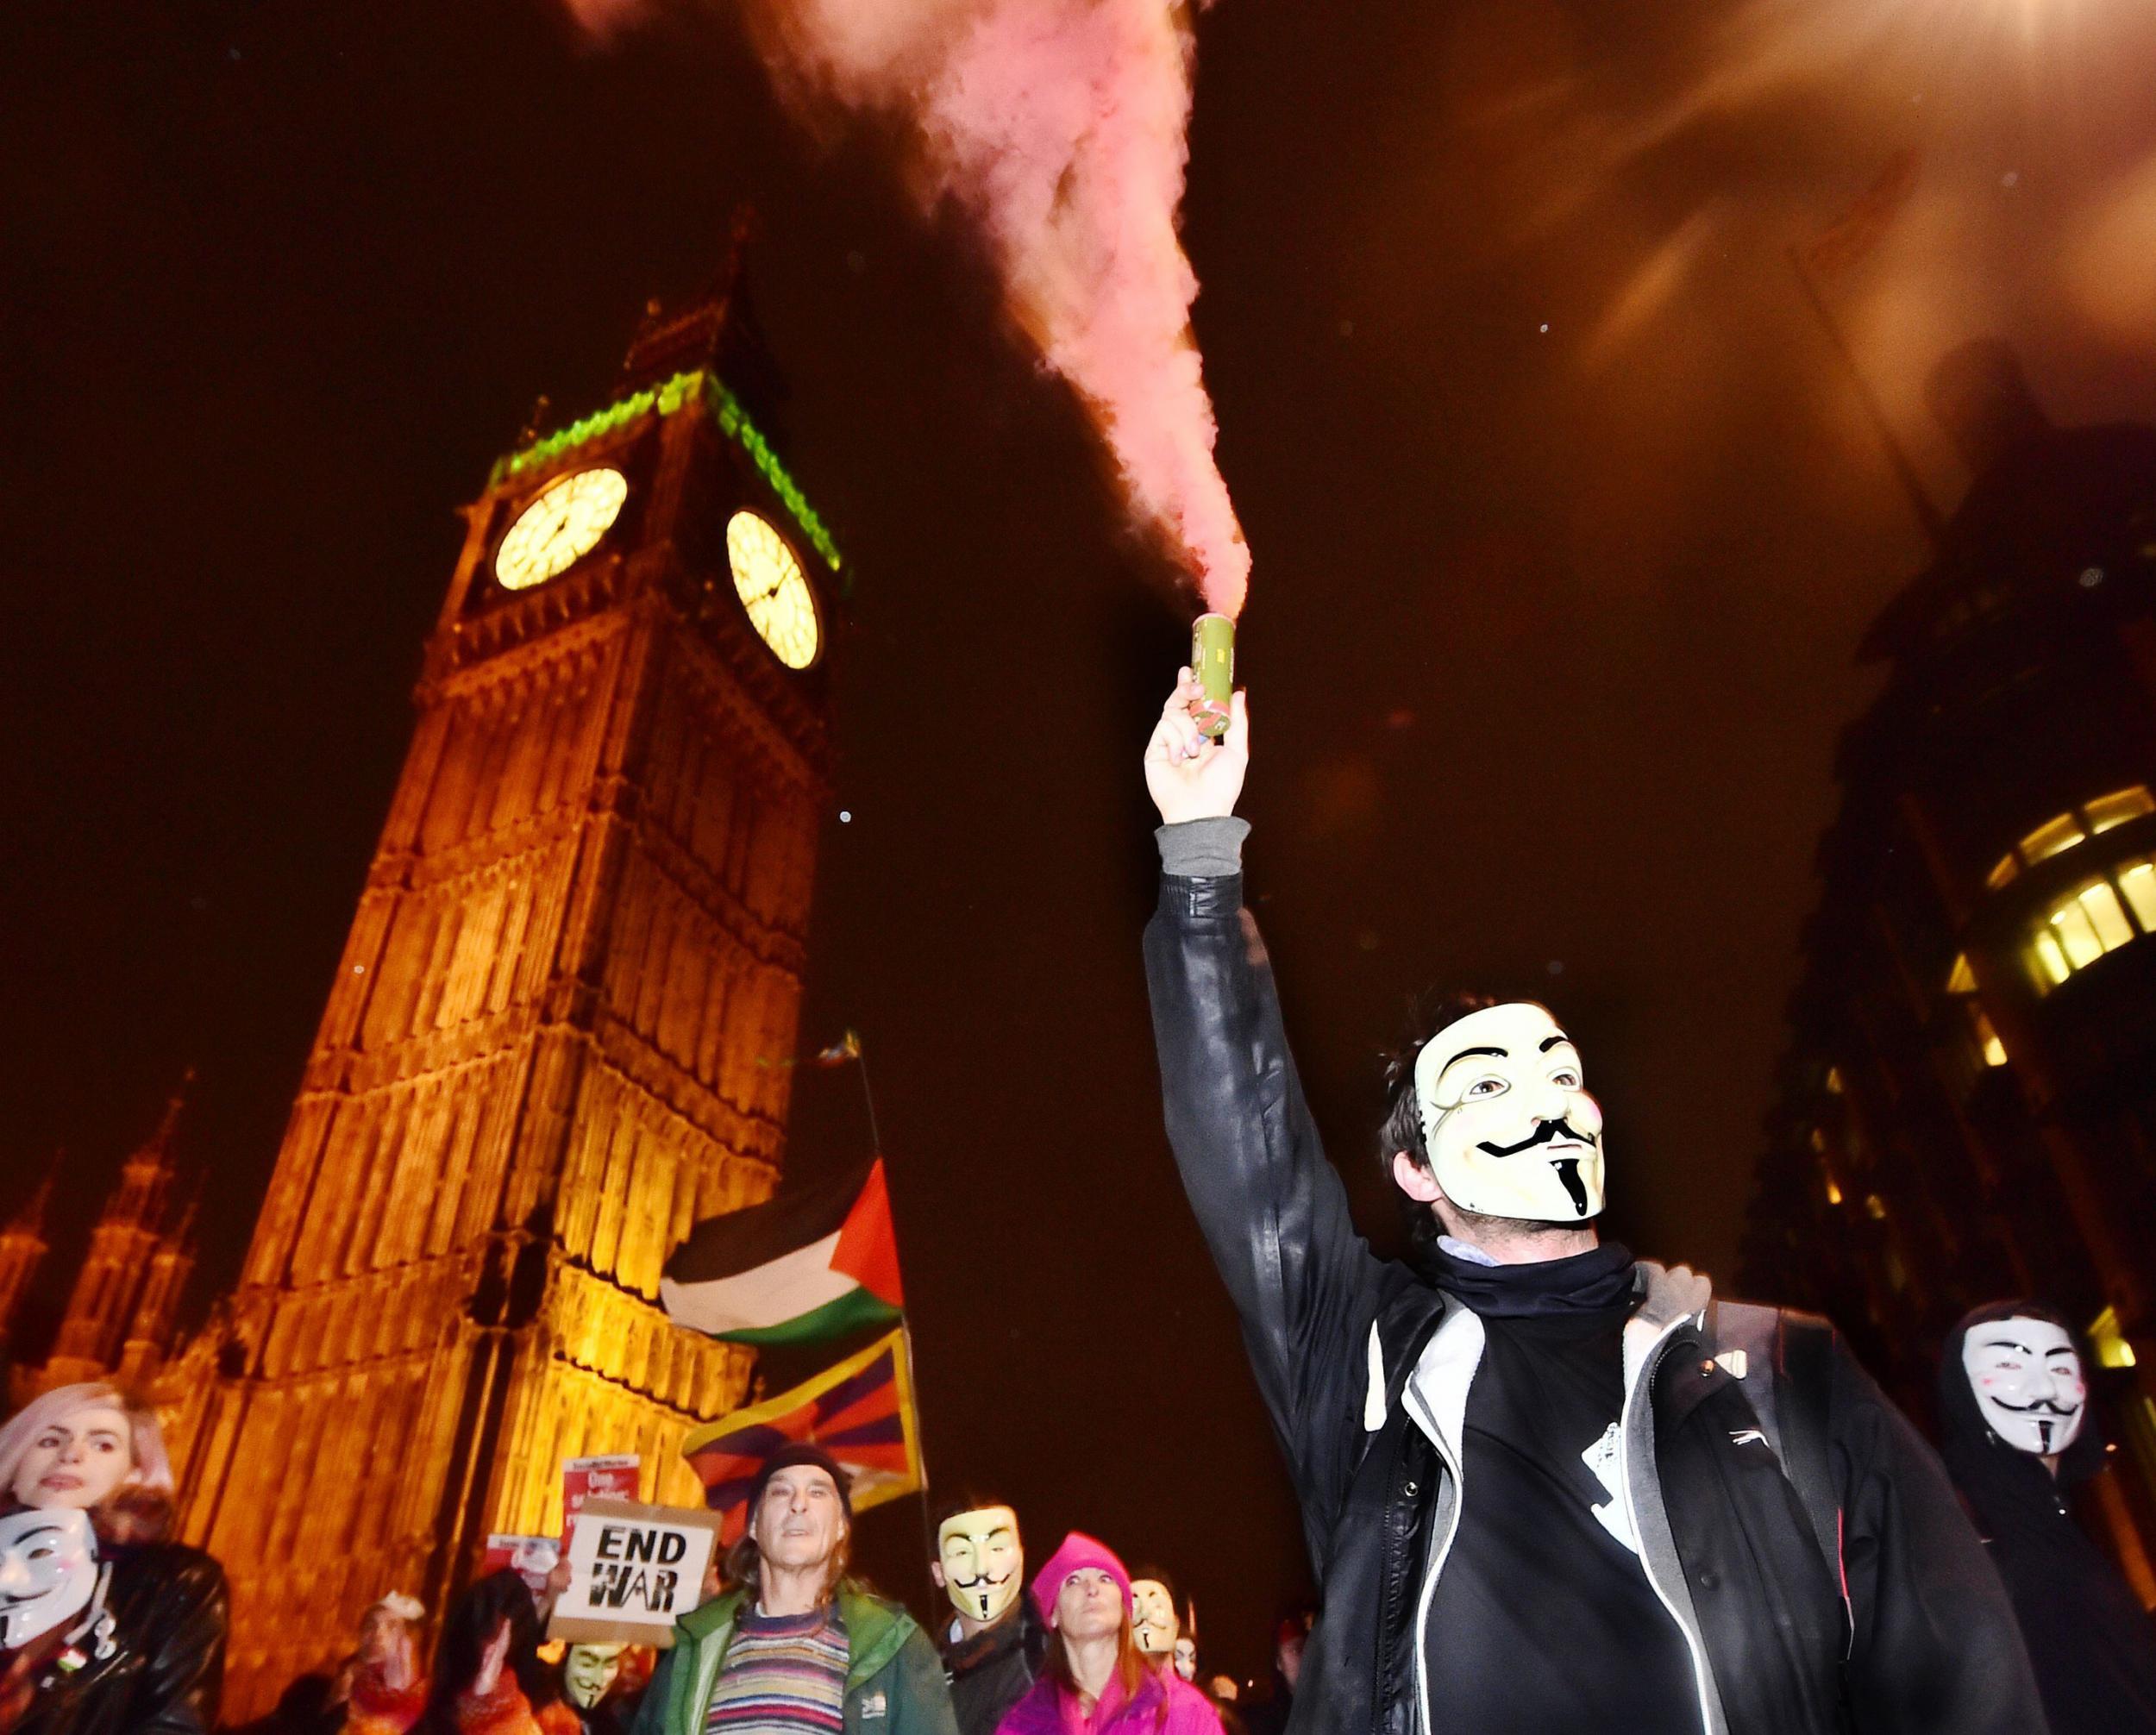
point(1365, 1368)
point(894, 1683)
point(2093, 1647)
point(1161, 1706)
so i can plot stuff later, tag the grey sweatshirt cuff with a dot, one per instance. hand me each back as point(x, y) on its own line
point(1202, 848)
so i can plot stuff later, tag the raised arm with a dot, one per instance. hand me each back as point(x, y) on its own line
point(1273, 1211)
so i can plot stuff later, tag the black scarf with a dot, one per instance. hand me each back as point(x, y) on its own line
point(1591, 1282)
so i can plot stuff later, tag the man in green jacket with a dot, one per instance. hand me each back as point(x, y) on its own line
point(795, 1648)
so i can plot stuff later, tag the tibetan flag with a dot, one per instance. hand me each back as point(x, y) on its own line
point(861, 1412)
point(803, 1267)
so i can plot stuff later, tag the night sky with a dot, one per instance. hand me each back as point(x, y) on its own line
point(1566, 529)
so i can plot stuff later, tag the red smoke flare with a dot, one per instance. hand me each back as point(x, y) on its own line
point(1060, 126)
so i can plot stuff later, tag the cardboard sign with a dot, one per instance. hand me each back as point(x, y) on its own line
point(533, 1557)
point(583, 1479)
point(634, 1570)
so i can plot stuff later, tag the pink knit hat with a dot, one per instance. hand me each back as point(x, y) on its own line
point(1079, 1552)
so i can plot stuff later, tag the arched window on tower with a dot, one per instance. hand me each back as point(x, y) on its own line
point(2077, 825)
point(2094, 918)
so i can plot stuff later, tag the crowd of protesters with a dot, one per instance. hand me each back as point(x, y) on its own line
point(110, 1627)
point(1756, 1545)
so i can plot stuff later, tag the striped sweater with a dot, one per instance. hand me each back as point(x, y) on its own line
point(785, 1675)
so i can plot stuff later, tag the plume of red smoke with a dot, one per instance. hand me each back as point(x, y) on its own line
point(1060, 126)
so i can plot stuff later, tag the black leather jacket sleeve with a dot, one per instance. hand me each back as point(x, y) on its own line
point(1273, 1211)
point(183, 1675)
point(1935, 1647)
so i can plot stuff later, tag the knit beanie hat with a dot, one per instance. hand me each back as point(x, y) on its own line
point(1079, 1552)
point(790, 1456)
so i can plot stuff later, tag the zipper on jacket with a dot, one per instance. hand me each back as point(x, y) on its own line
point(1430, 1579)
point(1692, 1641)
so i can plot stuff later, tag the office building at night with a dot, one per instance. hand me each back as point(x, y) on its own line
point(1967, 1107)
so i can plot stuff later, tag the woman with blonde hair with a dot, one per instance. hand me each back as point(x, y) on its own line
point(144, 1655)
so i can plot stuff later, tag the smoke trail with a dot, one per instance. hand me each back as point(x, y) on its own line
point(1060, 126)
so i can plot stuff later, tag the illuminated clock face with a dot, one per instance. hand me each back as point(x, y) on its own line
point(774, 589)
point(562, 525)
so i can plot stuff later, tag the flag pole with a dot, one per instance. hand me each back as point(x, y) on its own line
point(860, 1056)
point(1927, 514)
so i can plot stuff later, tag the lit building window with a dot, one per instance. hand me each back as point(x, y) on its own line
point(2069, 828)
point(1961, 983)
point(2110, 1345)
point(2091, 920)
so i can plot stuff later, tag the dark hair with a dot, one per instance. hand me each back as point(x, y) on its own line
point(966, 1501)
point(1401, 1130)
point(474, 1619)
point(1159, 1578)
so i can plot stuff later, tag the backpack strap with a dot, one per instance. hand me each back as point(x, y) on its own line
point(1788, 1373)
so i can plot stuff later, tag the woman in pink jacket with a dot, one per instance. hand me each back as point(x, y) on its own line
point(1094, 1680)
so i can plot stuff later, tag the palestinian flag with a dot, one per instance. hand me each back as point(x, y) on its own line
point(861, 1412)
point(804, 1268)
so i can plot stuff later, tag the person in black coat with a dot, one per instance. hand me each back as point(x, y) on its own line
point(149, 1657)
point(1545, 1486)
point(994, 1641)
point(2013, 1406)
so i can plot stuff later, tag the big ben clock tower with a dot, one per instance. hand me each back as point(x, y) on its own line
point(547, 1051)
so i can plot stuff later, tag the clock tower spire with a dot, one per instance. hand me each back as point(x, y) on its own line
point(546, 1048)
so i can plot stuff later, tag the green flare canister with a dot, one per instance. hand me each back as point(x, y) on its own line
point(1213, 661)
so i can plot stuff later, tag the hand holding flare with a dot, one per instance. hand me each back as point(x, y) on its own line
point(1190, 775)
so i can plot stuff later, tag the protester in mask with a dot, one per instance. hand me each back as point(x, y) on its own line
point(589, 1675)
point(488, 1679)
point(796, 1645)
point(1096, 1680)
point(132, 1636)
point(2013, 1417)
point(1156, 1625)
point(1546, 1487)
point(994, 1642)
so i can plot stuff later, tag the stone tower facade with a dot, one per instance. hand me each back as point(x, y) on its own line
point(22, 1250)
point(551, 1044)
point(125, 1295)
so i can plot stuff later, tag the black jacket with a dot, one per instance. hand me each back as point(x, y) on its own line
point(2090, 1641)
point(1336, 1336)
point(167, 1667)
point(993, 1670)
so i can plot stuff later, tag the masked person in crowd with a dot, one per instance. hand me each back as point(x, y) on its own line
point(589, 1673)
point(1156, 1625)
point(129, 1640)
point(1096, 1680)
point(488, 1679)
point(1544, 1486)
point(796, 1645)
point(991, 1649)
point(2014, 1420)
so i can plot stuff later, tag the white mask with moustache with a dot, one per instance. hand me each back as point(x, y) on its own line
point(49, 1571)
point(2026, 1375)
point(1510, 1130)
